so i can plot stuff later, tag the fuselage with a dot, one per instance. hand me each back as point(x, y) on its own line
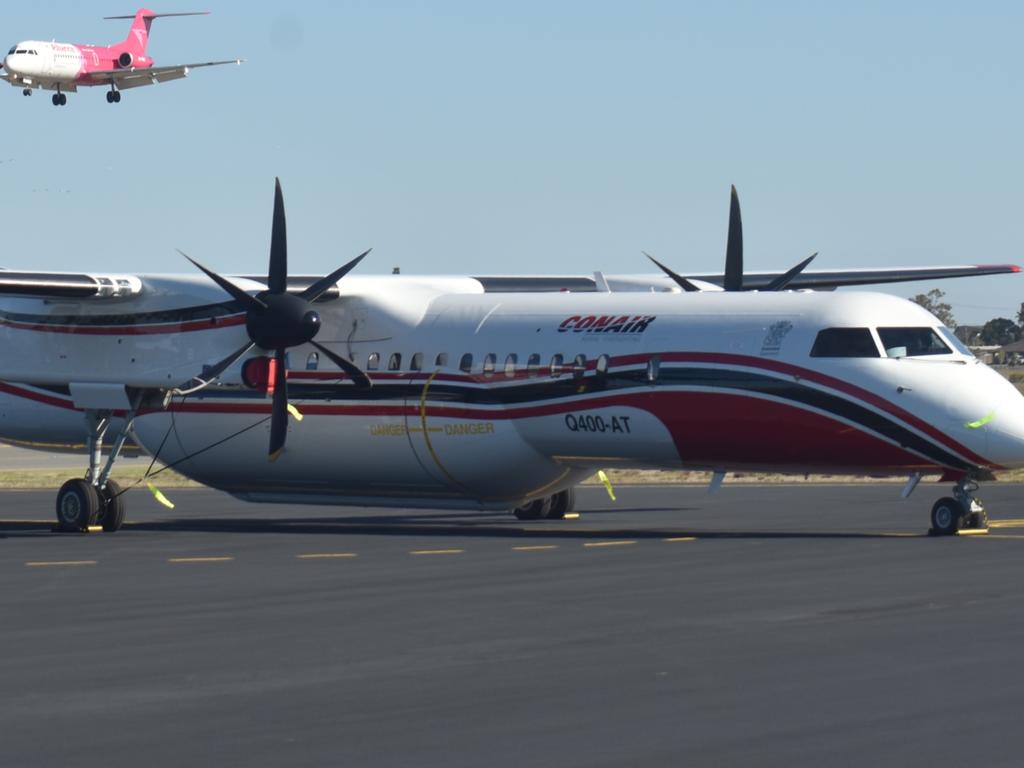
point(38, 63)
point(489, 399)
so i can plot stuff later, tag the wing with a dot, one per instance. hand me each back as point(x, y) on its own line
point(815, 280)
point(133, 78)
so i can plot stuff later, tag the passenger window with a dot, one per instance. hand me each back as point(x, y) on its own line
point(912, 342)
point(510, 366)
point(601, 367)
point(373, 361)
point(313, 361)
point(533, 365)
point(466, 363)
point(844, 342)
point(556, 365)
point(490, 360)
point(395, 362)
point(653, 369)
point(416, 364)
point(579, 366)
point(441, 360)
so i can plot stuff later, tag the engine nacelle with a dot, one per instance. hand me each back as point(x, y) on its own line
point(125, 60)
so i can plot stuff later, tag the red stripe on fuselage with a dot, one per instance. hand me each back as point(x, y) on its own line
point(129, 330)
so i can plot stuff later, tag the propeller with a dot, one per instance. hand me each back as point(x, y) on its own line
point(733, 278)
point(277, 320)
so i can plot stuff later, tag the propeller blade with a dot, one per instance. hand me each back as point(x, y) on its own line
point(211, 372)
point(279, 409)
point(277, 274)
point(354, 371)
point(782, 281)
point(734, 247)
point(681, 281)
point(243, 298)
point(317, 289)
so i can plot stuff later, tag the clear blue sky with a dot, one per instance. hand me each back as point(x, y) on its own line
point(470, 137)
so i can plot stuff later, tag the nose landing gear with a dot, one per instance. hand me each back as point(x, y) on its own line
point(963, 511)
point(26, 91)
point(555, 507)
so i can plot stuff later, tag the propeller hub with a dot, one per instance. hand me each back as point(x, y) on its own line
point(287, 321)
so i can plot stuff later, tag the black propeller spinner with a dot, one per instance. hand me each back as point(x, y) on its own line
point(277, 320)
point(733, 278)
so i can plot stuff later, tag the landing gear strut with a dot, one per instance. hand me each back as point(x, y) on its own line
point(96, 499)
point(961, 511)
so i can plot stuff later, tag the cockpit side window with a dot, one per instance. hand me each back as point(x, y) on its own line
point(13, 49)
point(958, 345)
point(912, 342)
point(844, 342)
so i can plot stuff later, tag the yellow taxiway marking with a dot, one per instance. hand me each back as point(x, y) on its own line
point(57, 563)
point(437, 552)
point(325, 555)
point(622, 543)
point(571, 516)
point(534, 547)
point(1006, 523)
point(1004, 535)
point(681, 538)
point(217, 559)
point(973, 532)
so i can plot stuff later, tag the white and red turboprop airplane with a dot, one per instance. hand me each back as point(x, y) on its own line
point(494, 392)
point(64, 67)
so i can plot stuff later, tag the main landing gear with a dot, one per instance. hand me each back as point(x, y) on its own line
point(96, 500)
point(963, 511)
point(555, 507)
point(113, 96)
point(59, 99)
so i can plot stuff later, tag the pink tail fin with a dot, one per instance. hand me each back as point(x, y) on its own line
point(138, 35)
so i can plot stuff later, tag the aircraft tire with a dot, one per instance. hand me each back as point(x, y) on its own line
point(533, 510)
point(117, 97)
point(110, 97)
point(562, 503)
point(112, 507)
point(63, 99)
point(77, 505)
point(56, 100)
point(948, 516)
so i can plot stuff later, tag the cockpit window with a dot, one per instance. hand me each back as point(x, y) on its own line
point(21, 50)
point(13, 48)
point(958, 345)
point(912, 342)
point(844, 342)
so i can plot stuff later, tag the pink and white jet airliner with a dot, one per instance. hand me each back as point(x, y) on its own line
point(63, 67)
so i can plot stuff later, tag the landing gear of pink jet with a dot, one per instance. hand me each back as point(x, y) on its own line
point(26, 92)
point(59, 99)
point(113, 97)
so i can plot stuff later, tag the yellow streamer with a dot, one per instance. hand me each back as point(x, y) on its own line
point(295, 412)
point(980, 422)
point(158, 495)
point(606, 483)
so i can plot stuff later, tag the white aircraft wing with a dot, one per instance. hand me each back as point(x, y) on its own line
point(134, 78)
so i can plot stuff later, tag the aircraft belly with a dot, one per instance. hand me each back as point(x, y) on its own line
point(331, 454)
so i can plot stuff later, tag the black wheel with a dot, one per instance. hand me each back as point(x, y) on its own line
point(948, 516)
point(77, 505)
point(56, 99)
point(112, 507)
point(63, 99)
point(533, 510)
point(110, 97)
point(117, 97)
point(562, 503)
point(26, 92)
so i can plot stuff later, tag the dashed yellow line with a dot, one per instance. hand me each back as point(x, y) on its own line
point(1006, 523)
point(534, 547)
point(680, 538)
point(623, 543)
point(218, 559)
point(437, 552)
point(58, 563)
point(325, 555)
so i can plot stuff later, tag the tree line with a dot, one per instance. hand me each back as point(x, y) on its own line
point(999, 331)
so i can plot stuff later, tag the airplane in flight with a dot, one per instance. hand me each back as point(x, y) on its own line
point(495, 392)
point(65, 67)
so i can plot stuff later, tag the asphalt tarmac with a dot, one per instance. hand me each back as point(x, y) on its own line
point(799, 625)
